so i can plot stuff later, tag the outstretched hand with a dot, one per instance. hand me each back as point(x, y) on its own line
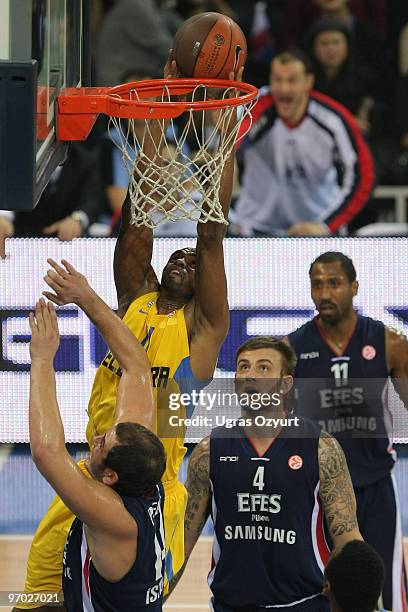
point(69, 285)
point(171, 70)
point(44, 331)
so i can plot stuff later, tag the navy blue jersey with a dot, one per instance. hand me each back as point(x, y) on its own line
point(269, 546)
point(345, 394)
point(141, 589)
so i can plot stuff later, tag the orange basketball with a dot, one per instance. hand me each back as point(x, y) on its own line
point(209, 46)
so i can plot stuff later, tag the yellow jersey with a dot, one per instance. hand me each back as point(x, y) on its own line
point(165, 340)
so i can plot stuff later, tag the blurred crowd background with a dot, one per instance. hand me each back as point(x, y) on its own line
point(358, 50)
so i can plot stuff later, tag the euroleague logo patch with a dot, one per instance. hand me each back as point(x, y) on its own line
point(368, 352)
point(219, 40)
point(295, 462)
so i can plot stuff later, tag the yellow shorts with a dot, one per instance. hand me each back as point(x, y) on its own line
point(44, 566)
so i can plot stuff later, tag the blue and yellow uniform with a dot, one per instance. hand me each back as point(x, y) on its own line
point(165, 339)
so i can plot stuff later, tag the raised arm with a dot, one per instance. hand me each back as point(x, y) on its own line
point(336, 492)
point(132, 269)
point(93, 502)
point(135, 402)
point(396, 346)
point(198, 502)
point(211, 311)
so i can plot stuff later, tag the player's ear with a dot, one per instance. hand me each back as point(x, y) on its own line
point(286, 384)
point(354, 287)
point(110, 477)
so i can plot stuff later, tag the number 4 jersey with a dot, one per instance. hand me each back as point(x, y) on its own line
point(269, 547)
point(346, 394)
point(141, 588)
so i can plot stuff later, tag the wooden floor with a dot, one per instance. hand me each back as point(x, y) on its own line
point(192, 592)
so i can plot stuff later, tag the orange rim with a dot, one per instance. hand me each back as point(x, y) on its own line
point(78, 108)
point(179, 87)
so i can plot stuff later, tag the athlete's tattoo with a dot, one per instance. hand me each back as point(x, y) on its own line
point(336, 489)
point(198, 486)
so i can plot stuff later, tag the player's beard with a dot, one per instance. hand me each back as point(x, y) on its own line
point(331, 317)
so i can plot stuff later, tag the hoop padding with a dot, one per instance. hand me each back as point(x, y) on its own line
point(175, 170)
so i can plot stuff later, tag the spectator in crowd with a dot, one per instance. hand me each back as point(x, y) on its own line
point(397, 16)
point(263, 24)
point(134, 32)
point(307, 169)
point(396, 170)
point(337, 74)
point(402, 89)
point(72, 200)
point(365, 40)
point(187, 8)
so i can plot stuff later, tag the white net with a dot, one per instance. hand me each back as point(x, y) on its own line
point(175, 166)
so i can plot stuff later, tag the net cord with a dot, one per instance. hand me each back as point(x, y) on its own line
point(174, 185)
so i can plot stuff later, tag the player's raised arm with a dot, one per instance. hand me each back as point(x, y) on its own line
point(93, 502)
point(135, 402)
point(198, 509)
point(396, 346)
point(211, 311)
point(336, 492)
point(132, 269)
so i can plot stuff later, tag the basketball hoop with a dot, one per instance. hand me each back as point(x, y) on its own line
point(167, 183)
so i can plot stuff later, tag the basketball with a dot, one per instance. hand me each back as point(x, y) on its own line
point(209, 46)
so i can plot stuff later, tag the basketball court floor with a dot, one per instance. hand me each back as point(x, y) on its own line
point(192, 592)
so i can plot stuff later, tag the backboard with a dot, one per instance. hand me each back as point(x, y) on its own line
point(44, 47)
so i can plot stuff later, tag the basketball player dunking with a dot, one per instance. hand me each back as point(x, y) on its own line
point(268, 490)
point(114, 555)
point(181, 322)
point(343, 363)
